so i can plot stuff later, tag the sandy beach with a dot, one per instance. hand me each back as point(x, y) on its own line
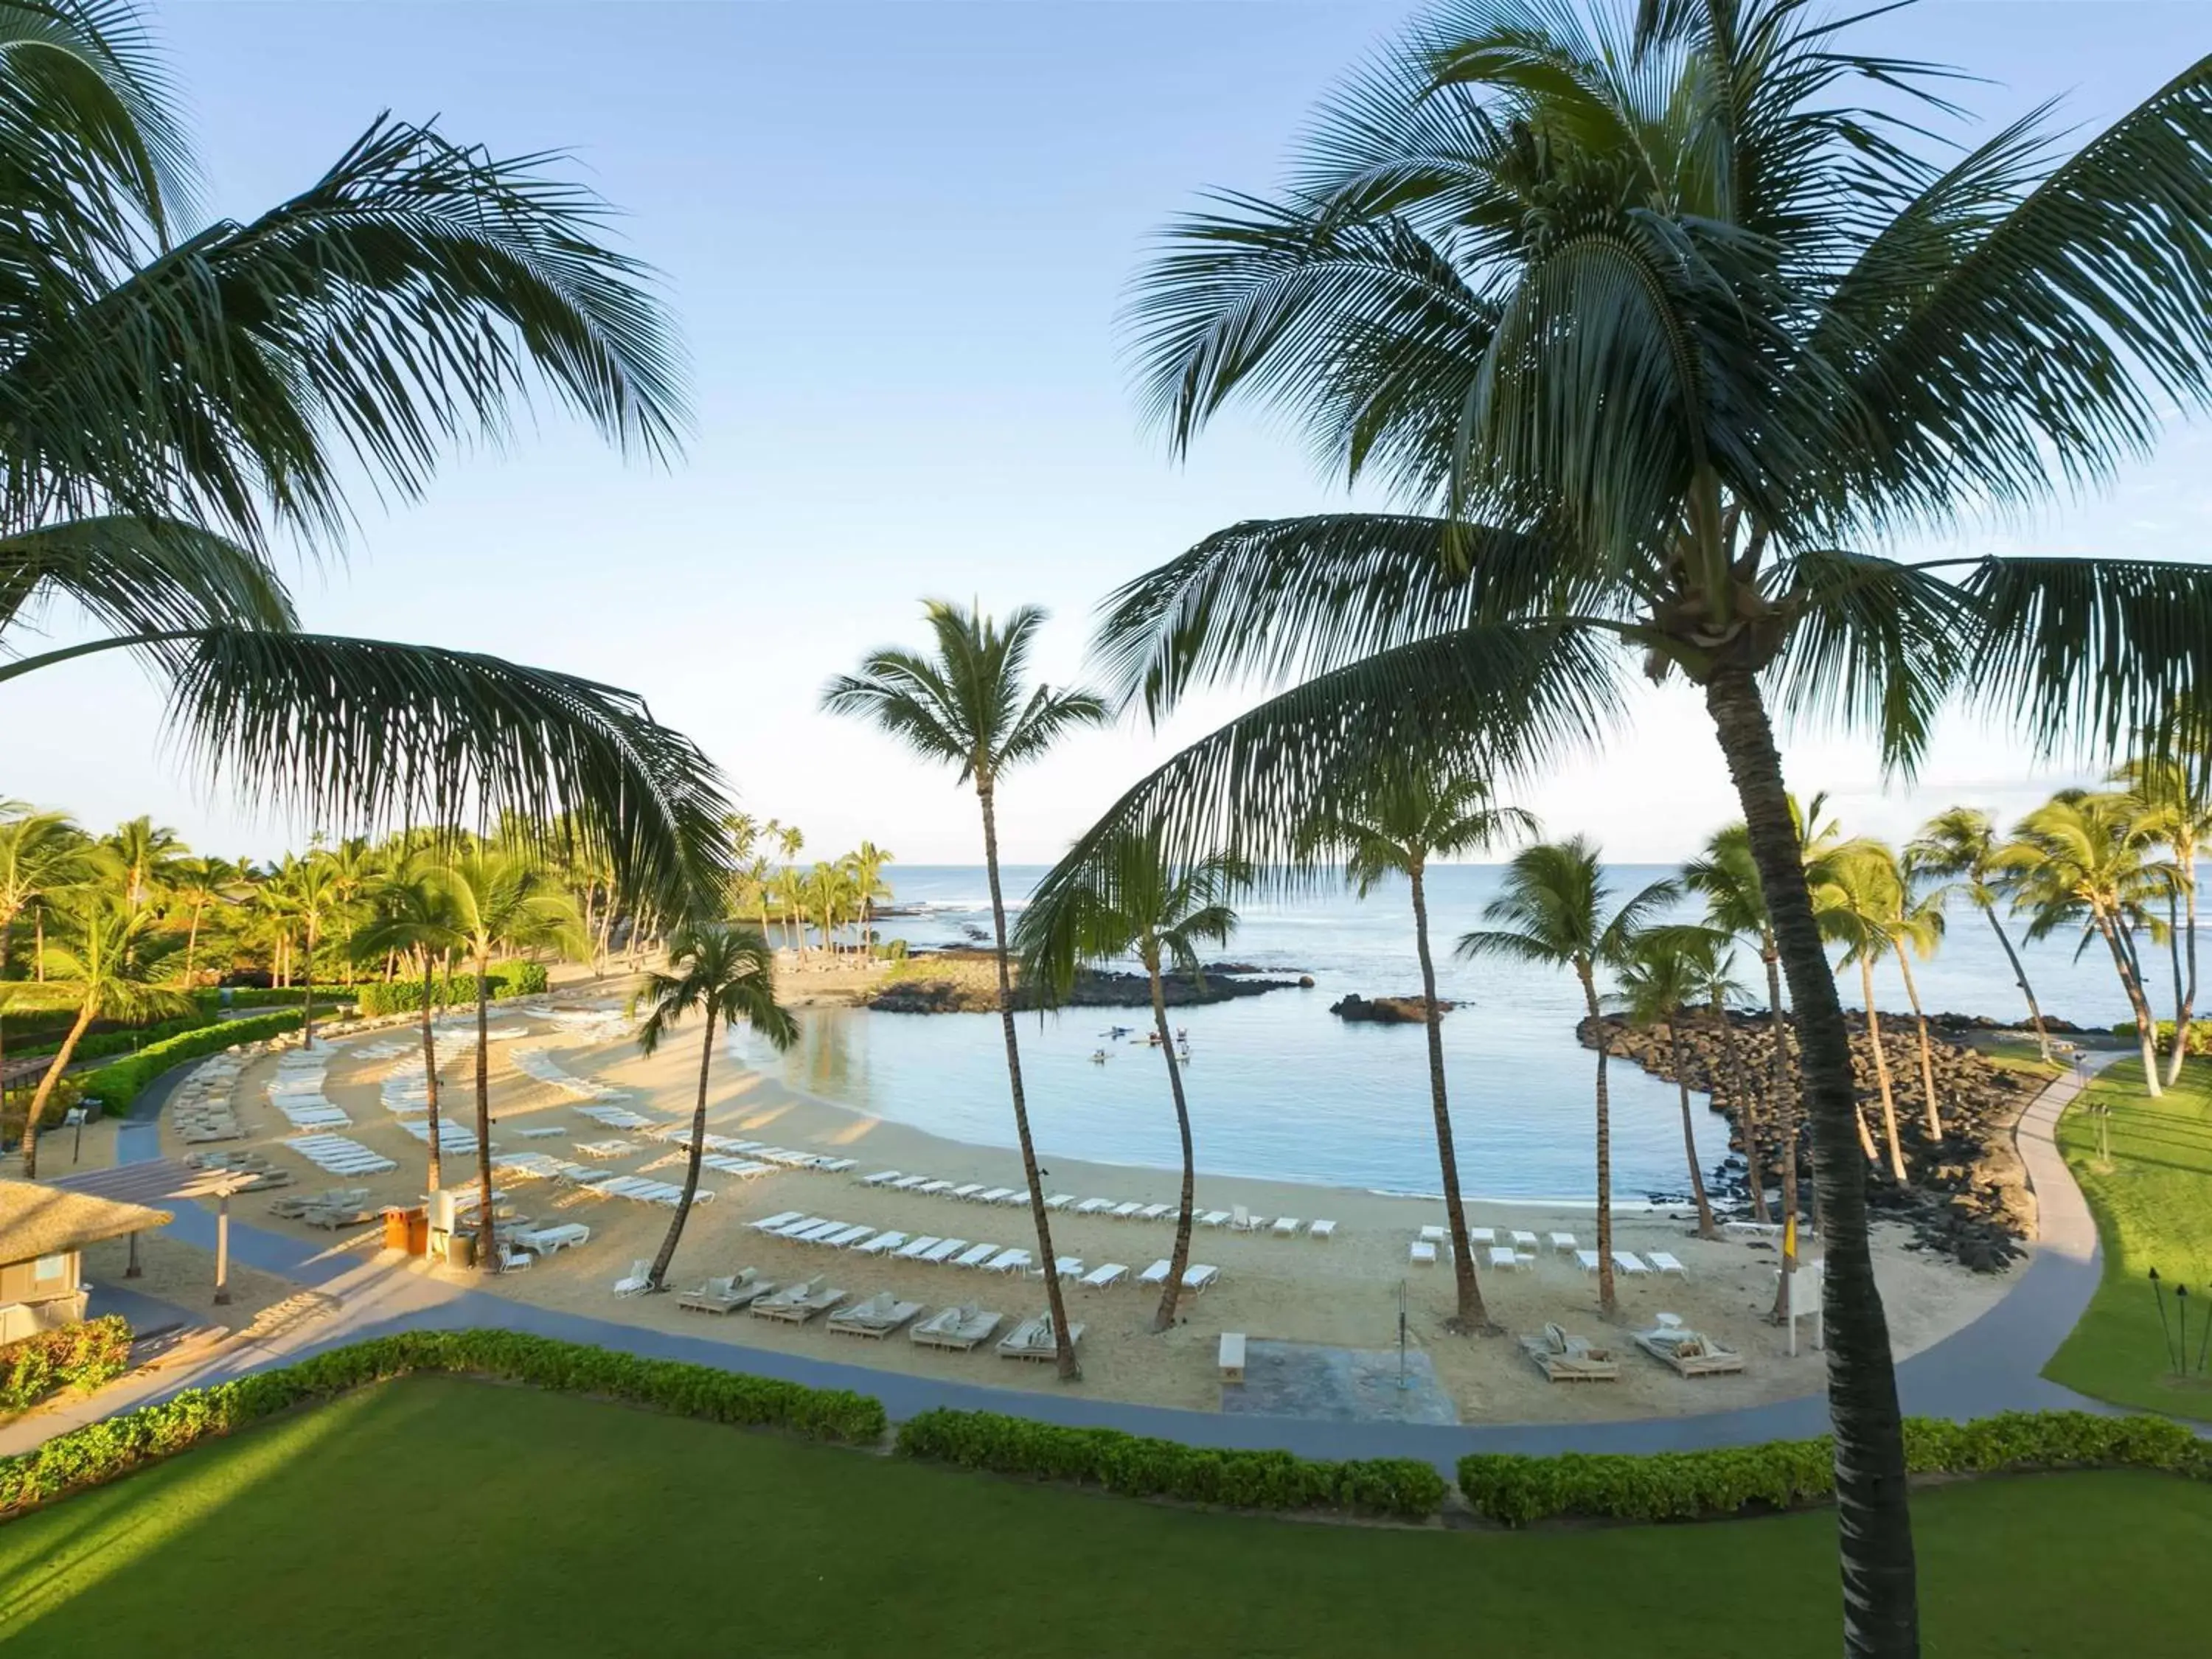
point(1342, 1292)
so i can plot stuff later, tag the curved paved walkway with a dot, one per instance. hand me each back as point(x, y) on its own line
point(1992, 1365)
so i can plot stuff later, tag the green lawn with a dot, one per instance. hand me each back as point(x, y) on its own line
point(2154, 1209)
point(435, 1515)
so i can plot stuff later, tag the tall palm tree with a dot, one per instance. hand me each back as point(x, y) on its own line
point(198, 883)
point(175, 405)
point(790, 898)
point(144, 852)
point(1667, 972)
point(1711, 969)
point(1726, 876)
point(1916, 930)
point(721, 973)
point(1649, 330)
point(2176, 810)
point(1852, 904)
point(869, 862)
point(1959, 845)
point(501, 901)
point(416, 918)
point(39, 852)
point(2081, 860)
point(111, 955)
point(307, 888)
point(1556, 909)
point(1135, 904)
point(968, 704)
point(1403, 817)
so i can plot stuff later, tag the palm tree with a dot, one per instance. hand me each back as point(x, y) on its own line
point(2080, 861)
point(1135, 904)
point(829, 889)
point(1726, 877)
point(501, 901)
point(1667, 970)
point(1918, 923)
point(2176, 810)
point(1712, 974)
point(1853, 902)
point(198, 883)
point(143, 851)
point(869, 861)
point(968, 704)
point(1648, 329)
point(416, 918)
point(39, 852)
point(178, 405)
point(308, 889)
point(1959, 845)
point(1406, 815)
point(111, 955)
point(722, 972)
point(791, 898)
point(1554, 911)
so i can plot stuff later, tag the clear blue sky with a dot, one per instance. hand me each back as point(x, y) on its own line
point(896, 236)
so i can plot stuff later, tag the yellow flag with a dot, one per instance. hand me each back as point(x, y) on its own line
point(1790, 1238)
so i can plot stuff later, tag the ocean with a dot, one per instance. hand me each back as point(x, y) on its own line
point(1281, 1089)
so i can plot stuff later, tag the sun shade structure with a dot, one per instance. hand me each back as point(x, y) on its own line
point(160, 1180)
point(43, 1234)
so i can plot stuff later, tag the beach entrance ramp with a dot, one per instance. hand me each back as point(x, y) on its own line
point(1337, 1385)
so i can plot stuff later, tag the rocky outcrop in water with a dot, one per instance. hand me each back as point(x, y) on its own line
point(1386, 1010)
point(1965, 1195)
point(966, 982)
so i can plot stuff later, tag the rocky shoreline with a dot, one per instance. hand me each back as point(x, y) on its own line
point(1965, 1195)
point(966, 982)
point(1386, 1010)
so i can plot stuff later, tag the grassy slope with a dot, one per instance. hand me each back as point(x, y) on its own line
point(433, 1515)
point(2154, 1209)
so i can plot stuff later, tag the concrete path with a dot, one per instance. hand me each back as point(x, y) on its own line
point(1992, 1365)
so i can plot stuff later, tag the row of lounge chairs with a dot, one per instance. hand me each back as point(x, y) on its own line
point(1632, 1265)
point(1197, 1277)
point(960, 1329)
point(1237, 1219)
point(865, 1240)
point(752, 1151)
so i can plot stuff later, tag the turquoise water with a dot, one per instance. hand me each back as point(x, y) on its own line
point(1282, 1089)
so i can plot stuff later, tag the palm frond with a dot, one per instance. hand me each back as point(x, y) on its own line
point(414, 294)
point(138, 575)
point(347, 732)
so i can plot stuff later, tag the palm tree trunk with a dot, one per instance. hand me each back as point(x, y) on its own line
point(487, 1225)
point(1747, 1091)
point(1881, 1074)
point(1179, 1257)
point(1472, 1314)
point(308, 999)
point(39, 945)
point(1881, 1619)
point(2184, 1000)
point(1605, 1300)
point(2020, 977)
point(430, 1076)
point(1706, 1228)
point(191, 943)
point(1069, 1371)
point(1785, 1091)
point(46, 1089)
point(2146, 1027)
point(1926, 1048)
point(658, 1279)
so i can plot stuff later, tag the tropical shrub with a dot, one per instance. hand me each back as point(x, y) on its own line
point(81, 1356)
point(1787, 1473)
point(101, 1451)
point(1136, 1466)
point(403, 996)
point(270, 996)
point(2200, 1035)
point(116, 1085)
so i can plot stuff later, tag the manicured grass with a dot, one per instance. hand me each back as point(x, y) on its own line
point(2154, 1206)
point(435, 1515)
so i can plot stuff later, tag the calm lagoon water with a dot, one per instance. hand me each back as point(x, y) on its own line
point(1280, 1088)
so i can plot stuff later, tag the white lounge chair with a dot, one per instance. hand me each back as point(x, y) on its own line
point(1198, 1275)
point(1105, 1276)
point(1123, 1212)
point(959, 1328)
point(967, 1191)
point(876, 1317)
point(1423, 1254)
point(915, 1247)
point(879, 1244)
point(1232, 1356)
point(1094, 1206)
point(1323, 1230)
point(977, 1256)
point(909, 1183)
point(1587, 1259)
point(1214, 1219)
point(1059, 1200)
point(1564, 1243)
point(930, 1189)
point(1068, 1266)
point(1628, 1262)
point(1286, 1226)
point(1033, 1339)
point(637, 1280)
point(945, 1249)
point(1155, 1274)
point(1014, 1197)
point(881, 1178)
point(1007, 1262)
point(1442, 1235)
point(1523, 1240)
point(992, 1194)
point(1503, 1258)
point(1481, 1236)
point(1240, 1219)
point(1663, 1263)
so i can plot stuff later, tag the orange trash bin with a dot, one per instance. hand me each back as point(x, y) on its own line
point(407, 1230)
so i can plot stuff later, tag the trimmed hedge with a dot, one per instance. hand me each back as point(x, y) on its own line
point(1136, 1466)
point(271, 996)
point(116, 1086)
point(101, 1451)
point(1789, 1474)
point(2200, 1035)
point(404, 996)
point(81, 1356)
